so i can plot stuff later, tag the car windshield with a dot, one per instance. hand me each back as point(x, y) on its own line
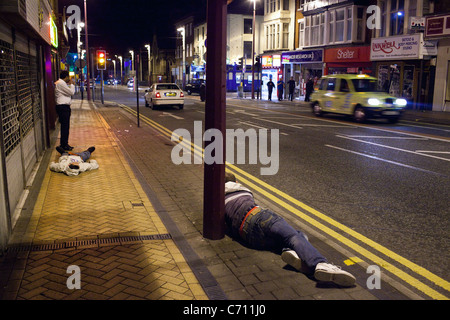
point(365, 85)
point(167, 87)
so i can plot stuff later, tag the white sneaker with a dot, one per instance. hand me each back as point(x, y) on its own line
point(291, 258)
point(331, 273)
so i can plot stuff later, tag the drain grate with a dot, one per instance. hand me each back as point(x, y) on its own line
point(118, 240)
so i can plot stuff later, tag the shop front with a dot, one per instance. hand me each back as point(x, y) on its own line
point(302, 65)
point(438, 30)
point(348, 60)
point(271, 70)
point(404, 68)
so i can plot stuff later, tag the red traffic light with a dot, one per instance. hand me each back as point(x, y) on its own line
point(101, 60)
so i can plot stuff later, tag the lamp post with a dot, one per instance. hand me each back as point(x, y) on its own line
point(87, 53)
point(253, 50)
point(114, 63)
point(79, 43)
point(132, 63)
point(149, 54)
point(121, 74)
point(183, 69)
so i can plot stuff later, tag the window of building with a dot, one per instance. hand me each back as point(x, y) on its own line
point(248, 49)
point(397, 17)
point(248, 26)
point(360, 25)
point(331, 26)
point(340, 22)
point(301, 34)
point(285, 35)
point(285, 4)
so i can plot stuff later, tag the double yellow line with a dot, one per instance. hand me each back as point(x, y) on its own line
point(315, 217)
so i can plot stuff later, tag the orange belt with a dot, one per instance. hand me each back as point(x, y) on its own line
point(255, 210)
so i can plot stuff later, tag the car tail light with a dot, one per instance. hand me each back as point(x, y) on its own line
point(181, 94)
point(157, 95)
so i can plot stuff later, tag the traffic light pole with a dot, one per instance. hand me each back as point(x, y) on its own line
point(102, 93)
point(215, 118)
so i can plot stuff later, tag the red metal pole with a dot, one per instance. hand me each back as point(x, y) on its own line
point(214, 174)
point(253, 51)
point(88, 74)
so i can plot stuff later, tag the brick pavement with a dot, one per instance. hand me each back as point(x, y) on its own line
point(100, 221)
point(241, 273)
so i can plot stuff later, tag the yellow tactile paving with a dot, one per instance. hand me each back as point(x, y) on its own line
point(102, 203)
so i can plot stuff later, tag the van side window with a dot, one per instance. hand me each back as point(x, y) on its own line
point(323, 84)
point(331, 84)
point(344, 86)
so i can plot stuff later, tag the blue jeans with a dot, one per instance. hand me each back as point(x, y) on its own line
point(267, 230)
point(85, 155)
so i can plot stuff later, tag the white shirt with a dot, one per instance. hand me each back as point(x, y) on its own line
point(63, 92)
point(64, 161)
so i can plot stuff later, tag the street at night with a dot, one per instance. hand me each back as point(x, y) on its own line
point(232, 156)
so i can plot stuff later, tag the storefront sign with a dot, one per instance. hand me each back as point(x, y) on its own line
point(276, 62)
point(348, 54)
point(417, 23)
point(302, 56)
point(394, 48)
point(266, 62)
point(438, 26)
point(53, 33)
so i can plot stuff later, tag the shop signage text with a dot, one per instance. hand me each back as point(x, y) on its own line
point(348, 54)
point(438, 26)
point(302, 56)
point(401, 47)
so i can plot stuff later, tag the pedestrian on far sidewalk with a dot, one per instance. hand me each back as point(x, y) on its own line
point(270, 86)
point(291, 84)
point(309, 89)
point(280, 87)
point(64, 90)
point(263, 229)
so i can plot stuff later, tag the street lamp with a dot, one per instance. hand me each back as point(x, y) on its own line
point(120, 58)
point(149, 53)
point(132, 57)
point(132, 63)
point(79, 43)
point(183, 69)
point(253, 50)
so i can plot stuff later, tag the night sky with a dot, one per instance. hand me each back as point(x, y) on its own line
point(121, 25)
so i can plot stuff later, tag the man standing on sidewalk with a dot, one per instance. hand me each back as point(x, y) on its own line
point(270, 86)
point(291, 84)
point(280, 87)
point(64, 90)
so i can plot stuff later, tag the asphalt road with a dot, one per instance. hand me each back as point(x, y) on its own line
point(388, 183)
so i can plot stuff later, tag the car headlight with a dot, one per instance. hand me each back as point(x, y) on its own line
point(373, 102)
point(400, 102)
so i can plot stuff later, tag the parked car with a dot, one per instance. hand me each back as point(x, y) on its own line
point(130, 83)
point(356, 95)
point(164, 94)
point(194, 86)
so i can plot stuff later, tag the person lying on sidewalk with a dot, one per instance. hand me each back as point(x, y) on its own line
point(263, 229)
point(73, 163)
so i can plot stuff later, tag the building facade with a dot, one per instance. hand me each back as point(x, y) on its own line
point(403, 61)
point(437, 28)
point(29, 64)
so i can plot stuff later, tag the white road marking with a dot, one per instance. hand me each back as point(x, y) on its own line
point(381, 159)
point(394, 148)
